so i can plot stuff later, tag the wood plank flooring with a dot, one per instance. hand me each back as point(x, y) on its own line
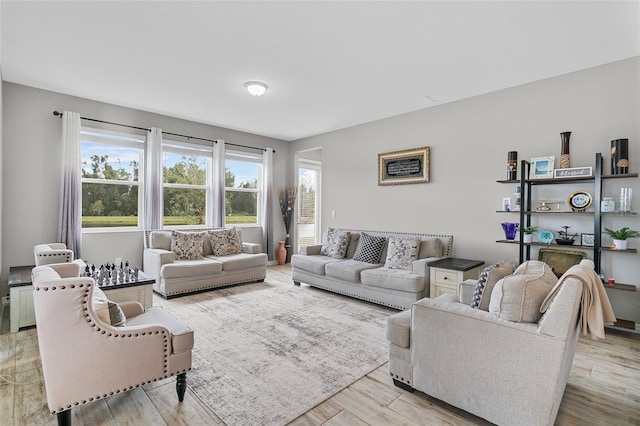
point(603, 389)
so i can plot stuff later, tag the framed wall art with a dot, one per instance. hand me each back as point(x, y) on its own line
point(541, 168)
point(404, 167)
point(587, 240)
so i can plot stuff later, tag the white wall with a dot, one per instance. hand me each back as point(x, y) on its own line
point(31, 172)
point(469, 141)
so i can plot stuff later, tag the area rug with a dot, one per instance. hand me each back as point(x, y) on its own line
point(266, 353)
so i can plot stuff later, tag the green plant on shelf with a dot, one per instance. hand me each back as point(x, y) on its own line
point(622, 233)
point(529, 230)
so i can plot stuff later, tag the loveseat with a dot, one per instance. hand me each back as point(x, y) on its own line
point(507, 359)
point(196, 259)
point(387, 268)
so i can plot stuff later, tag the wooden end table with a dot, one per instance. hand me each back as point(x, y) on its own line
point(22, 313)
point(445, 274)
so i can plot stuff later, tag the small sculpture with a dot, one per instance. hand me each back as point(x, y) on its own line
point(564, 238)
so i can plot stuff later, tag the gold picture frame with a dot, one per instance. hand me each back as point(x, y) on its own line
point(560, 260)
point(404, 167)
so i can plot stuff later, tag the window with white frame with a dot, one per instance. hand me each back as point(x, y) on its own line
point(186, 177)
point(111, 189)
point(243, 180)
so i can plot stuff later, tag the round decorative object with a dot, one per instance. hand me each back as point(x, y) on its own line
point(580, 201)
point(545, 237)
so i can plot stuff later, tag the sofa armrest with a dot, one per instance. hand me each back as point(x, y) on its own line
point(251, 248)
point(131, 309)
point(153, 259)
point(66, 270)
point(465, 291)
point(311, 249)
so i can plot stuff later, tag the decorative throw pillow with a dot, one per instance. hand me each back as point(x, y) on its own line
point(430, 247)
point(487, 281)
point(402, 252)
point(518, 297)
point(369, 248)
point(336, 243)
point(108, 311)
point(225, 242)
point(186, 245)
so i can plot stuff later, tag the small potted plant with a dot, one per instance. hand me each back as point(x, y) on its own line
point(620, 237)
point(528, 233)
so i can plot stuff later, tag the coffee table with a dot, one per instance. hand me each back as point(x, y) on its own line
point(22, 313)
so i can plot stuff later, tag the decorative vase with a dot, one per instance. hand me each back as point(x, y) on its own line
point(527, 238)
point(281, 253)
point(619, 156)
point(512, 165)
point(510, 229)
point(565, 162)
point(620, 244)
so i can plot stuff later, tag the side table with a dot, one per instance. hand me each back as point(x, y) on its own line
point(445, 274)
point(21, 312)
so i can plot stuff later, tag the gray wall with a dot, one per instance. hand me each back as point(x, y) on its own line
point(469, 140)
point(31, 172)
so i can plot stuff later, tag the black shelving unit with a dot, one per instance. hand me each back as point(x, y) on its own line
point(527, 211)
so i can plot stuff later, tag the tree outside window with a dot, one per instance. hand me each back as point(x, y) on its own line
point(242, 182)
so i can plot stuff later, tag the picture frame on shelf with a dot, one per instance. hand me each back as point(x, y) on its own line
point(542, 167)
point(587, 240)
point(404, 167)
point(573, 172)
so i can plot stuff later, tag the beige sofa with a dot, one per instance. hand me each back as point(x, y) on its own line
point(179, 277)
point(505, 371)
point(396, 288)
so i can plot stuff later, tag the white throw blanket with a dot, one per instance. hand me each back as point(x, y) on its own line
point(596, 310)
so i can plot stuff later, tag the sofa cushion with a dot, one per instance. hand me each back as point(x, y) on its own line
point(336, 243)
point(186, 245)
point(348, 270)
point(393, 279)
point(518, 297)
point(314, 263)
point(402, 252)
point(369, 248)
point(225, 241)
point(399, 328)
point(160, 240)
point(235, 262)
point(430, 247)
point(354, 241)
point(191, 268)
point(181, 335)
point(108, 311)
point(487, 281)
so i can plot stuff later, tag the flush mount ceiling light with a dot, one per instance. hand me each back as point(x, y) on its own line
point(256, 88)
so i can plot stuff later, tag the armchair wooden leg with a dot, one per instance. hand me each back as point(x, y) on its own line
point(181, 386)
point(64, 418)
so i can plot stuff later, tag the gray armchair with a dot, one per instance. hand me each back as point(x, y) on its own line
point(510, 373)
point(85, 358)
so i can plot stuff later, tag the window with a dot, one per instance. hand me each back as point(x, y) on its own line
point(243, 178)
point(186, 183)
point(111, 190)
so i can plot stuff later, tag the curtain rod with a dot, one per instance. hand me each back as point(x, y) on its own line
point(57, 113)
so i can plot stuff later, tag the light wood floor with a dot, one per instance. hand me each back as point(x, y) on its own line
point(603, 389)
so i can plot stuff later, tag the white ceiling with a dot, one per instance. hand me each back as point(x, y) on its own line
point(328, 64)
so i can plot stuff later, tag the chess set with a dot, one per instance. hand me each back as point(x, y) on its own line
point(110, 274)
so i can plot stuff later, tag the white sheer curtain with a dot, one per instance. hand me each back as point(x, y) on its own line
point(153, 201)
point(267, 203)
point(70, 208)
point(217, 202)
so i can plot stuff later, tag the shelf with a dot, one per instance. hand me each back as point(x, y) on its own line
point(619, 214)
point(626, 175)
point(620, 286)
point(509, 181)
point(552, 181)
point(537, 244)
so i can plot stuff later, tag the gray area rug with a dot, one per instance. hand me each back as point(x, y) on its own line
point(266, 353)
